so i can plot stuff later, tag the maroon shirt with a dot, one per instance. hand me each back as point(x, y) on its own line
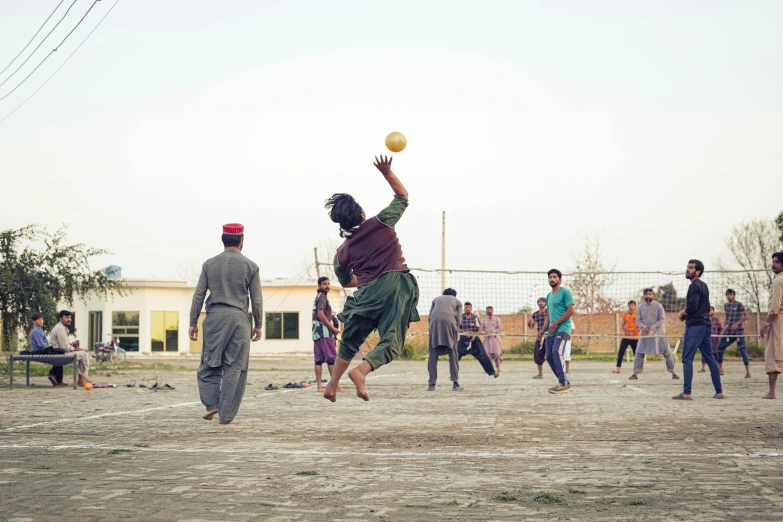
point(373, 249)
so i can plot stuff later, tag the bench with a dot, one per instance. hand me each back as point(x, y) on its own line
point(53, 360)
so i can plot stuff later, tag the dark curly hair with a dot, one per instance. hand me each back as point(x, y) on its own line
point(343, 209)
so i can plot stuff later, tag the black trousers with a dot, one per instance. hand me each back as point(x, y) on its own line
point(56, 371)
point(476, 349)
point(624, 344)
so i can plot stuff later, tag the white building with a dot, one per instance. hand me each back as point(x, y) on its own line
point(154, 317)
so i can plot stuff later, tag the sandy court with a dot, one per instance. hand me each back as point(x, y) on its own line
point(501, 449)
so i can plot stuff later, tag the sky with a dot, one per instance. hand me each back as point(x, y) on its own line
point(532, 124)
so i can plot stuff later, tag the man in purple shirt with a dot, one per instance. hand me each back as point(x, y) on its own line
point(40, 346)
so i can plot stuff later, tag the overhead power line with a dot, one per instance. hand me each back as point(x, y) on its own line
point(63, 64)
point(50, 52)
point(40, 44)
point(33, 38)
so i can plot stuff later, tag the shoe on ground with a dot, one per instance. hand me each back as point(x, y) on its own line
point(747, 376)
point(456, 387)
point(702, 370)
point(616, 370)
point(560, 389)
point(633, 378)
point(496, 375)
point(538, 376)
point(431, 387)
point(675, 376)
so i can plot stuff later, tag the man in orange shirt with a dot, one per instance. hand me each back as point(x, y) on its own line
point(631, 330)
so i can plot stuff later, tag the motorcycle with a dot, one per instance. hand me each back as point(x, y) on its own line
point(110, 351)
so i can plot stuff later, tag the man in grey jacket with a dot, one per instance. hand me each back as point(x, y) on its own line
point(229, 277)
point(444, 317)
point(58, 338)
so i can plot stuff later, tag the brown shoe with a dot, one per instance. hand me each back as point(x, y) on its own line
point(561, 389)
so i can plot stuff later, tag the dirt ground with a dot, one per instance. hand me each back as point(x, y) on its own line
point(503, 449)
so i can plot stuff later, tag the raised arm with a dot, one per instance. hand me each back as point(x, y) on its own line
point(384, 165)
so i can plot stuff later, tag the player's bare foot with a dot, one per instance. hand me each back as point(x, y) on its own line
point(340, 389)
point(358, 380)
point(769, 396)
point(330, 393)
point(320, 389)
point(232, 422)
point(210, 415)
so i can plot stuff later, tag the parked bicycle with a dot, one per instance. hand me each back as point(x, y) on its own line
point(110, 351)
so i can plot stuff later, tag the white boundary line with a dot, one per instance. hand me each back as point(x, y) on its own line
point(170, 406)
point(403, 454)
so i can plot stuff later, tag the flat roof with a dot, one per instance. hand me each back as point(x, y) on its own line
point(279, 282)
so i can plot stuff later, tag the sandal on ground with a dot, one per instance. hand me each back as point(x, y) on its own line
point(271, 386)
point(716, 396)
point(633, 378)
point(52, 379)
point(702, 371)
point(131, 383)
point(682, 397)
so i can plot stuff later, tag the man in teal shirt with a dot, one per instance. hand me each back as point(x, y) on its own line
point(557, 328)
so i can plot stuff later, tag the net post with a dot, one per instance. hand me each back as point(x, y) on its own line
point(617, 332)
point(758, 325)
point(317, 264)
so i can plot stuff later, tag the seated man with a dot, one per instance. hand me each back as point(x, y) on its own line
point(40, 346)
point(59, 339)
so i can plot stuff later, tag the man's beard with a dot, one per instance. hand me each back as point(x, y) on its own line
point(648, 299)
point(552, 284)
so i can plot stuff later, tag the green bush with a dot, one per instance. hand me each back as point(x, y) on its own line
point(755, 350)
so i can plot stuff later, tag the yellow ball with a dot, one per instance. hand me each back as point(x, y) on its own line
point(395, 142)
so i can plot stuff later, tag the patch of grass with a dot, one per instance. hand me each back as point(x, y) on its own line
point(117, 451)
point(638, 502)
point(646, 462)
point(452, 502)
point(549, 498)
point(577, 491)
point(308, 472)
point(504, 496)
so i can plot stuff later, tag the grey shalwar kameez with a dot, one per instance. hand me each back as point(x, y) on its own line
point(445, 314)
point(652, 316)
point(222, 375)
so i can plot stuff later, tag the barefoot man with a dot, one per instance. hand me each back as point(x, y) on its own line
point(229, 277)
point(324, 333)
point(773, 327)
point(371, 259)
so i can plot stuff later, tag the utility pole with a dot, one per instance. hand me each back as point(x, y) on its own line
point(317, 264)
point(443, 254)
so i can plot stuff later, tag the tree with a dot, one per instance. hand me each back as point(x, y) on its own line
point(38, 271)
point(779, 224)
point(751, 245)
point(588, 282)
point(667, 296)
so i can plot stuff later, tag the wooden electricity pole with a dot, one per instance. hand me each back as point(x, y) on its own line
point(443, 254)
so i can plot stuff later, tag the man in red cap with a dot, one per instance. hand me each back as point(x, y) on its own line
point(230, 277)
point(371, 259)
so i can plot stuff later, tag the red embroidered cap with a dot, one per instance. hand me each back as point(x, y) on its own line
point(234, 229)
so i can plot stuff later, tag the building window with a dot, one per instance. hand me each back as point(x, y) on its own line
point(164, 331)
point(282, 325)
point(125, 325)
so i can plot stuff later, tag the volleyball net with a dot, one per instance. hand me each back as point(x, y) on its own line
point(600, 298)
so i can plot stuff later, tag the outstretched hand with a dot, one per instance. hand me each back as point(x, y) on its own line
point(384, 164)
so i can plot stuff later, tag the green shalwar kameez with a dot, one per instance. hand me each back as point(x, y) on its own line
point(388, 304)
